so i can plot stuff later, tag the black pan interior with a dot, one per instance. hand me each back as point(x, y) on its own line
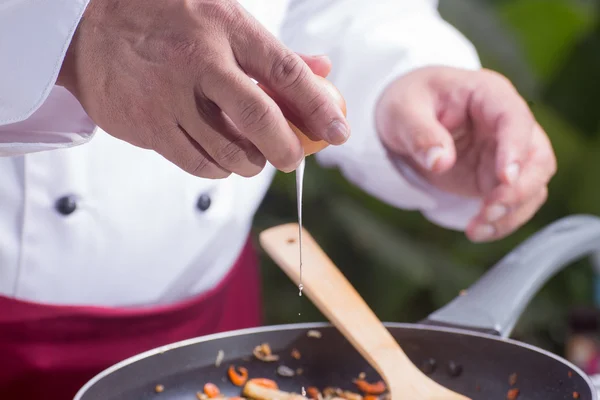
point(478, 366)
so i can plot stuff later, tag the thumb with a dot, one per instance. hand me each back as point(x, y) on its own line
point(411, 129)
point(319, 65)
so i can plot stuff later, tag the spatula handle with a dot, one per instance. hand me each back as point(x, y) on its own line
point(331, 292)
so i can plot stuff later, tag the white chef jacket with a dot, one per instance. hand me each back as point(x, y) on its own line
point(137, 236)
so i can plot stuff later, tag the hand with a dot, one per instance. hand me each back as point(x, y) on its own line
point(175, 76)
point(471, 134)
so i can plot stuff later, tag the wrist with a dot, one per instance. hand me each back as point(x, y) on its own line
point(66, 76)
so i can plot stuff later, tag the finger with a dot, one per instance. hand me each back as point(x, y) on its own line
point(255, 115)
point(319, 65)
point(178, 147)
point(485, 231)
point(537, 172)
point(408, 126)
point(221, 140)
point(284, 72)
point(498, 109)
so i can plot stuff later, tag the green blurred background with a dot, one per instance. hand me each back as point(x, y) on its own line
point(406, 267)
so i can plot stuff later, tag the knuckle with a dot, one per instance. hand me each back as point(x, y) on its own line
point(288, 71)
point(184, 47)
point(217, 10)
point(318, 104)
point(211, 60)
point(202, 167)
point(160, 135)
point(231, 155)
point(226, 11)
point(256, 116)
point(179, 46)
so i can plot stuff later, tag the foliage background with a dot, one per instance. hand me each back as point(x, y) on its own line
point(404, 266)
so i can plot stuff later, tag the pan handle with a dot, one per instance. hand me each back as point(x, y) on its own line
point(495, 302)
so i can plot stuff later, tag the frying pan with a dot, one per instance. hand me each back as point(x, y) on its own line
point(464, 345)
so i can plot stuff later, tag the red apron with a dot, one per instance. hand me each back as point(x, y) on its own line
point(49, 352)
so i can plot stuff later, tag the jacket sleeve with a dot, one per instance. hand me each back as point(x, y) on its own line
point(370, 45)
point(35, 114)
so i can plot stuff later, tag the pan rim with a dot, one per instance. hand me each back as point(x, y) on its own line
point(315, 325)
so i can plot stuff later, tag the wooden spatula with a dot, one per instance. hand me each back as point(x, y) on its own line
point(331, 292)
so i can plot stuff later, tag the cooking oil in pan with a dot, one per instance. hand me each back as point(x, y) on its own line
point(299, 186)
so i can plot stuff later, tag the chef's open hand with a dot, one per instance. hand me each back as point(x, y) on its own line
point(472, 134)
point(175, 76)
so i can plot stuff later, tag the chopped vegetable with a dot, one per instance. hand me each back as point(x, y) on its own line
point(313, 392)
point(370, 388)
point(314, 334)
point(267, 383)
point(512, 394)
point(262, 389)
point(575, 395)
point(237, 378)
point(202, 396)
point(296, 354)
point(219, 360)
point(159, 389)
point(263, 353)
point(351, 396)
point(211, 390)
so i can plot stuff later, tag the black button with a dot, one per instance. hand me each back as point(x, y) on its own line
point(66, 205)
point(203, 202)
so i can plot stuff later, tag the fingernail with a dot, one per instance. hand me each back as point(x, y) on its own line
point(512, 172)
point(495, 212)
point(483, 232)
point(337, 133)
point(433, 155)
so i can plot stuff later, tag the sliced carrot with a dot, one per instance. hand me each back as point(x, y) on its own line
point(312, 392)
point(264, 382)
point(211, 390)
point(370, 388)
point(238, 379)
point(296, 354)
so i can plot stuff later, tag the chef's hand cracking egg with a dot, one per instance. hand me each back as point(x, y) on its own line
point(310, 145)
